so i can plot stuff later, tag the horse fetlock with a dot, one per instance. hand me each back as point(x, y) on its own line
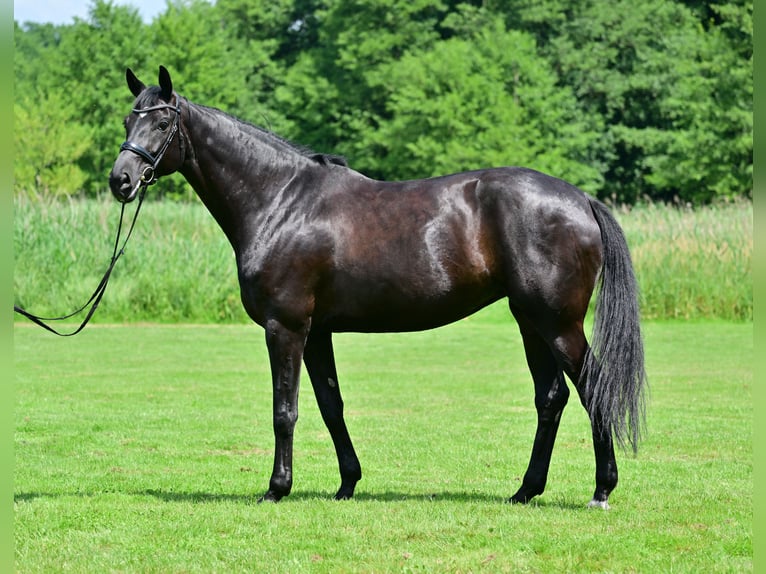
point(279, 487)
point(606, 481)
point(603, 504)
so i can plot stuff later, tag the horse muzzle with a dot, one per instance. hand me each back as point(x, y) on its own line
point(125, 188)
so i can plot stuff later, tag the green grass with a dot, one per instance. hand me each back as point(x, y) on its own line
point(144, 449)
point(179, 266)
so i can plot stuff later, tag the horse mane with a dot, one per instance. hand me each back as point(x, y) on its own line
point(328, 159)
point(324, 159)
point(150, 96)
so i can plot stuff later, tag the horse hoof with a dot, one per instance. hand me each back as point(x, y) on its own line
point(603, 504)
point(269, 497)
point(520, 499)
point(344, 494)
point(523, 496)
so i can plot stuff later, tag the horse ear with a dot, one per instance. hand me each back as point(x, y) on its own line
point(166, 84)
point(136, 86)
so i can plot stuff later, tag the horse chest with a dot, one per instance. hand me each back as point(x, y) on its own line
point(278, 280)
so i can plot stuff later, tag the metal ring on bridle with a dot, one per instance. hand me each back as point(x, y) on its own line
point(147, 176)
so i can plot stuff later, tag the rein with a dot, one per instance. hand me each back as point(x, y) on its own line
point(148, 177)
point(95, 299)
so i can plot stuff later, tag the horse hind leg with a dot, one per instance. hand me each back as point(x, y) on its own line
point(561, 350)
point(603, 446)
point(570, 348)
point(551, 396)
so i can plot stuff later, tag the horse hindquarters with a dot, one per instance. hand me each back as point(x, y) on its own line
point(553, 253)
point(550, 299)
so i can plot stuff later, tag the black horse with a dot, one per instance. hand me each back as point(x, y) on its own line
point(320, 248)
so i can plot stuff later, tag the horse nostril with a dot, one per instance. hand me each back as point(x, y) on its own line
point(116, 181)
point(120, 183)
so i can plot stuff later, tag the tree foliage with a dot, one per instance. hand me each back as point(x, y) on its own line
point(627, 100)
point(48, 146)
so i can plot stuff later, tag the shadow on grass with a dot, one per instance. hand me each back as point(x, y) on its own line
point(303, 496)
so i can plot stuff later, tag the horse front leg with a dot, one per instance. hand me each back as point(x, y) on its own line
point(285, 352)
point(320, 363)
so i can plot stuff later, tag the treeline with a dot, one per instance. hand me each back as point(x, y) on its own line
point(628, 100)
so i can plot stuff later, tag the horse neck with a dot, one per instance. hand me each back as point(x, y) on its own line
point(238, 171)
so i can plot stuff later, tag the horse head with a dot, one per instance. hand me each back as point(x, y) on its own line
point(152, 147)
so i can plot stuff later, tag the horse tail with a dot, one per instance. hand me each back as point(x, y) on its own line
point(613, 369)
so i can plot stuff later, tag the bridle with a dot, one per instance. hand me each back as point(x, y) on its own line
point(148, 177)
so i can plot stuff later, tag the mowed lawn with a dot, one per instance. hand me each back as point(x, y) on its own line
point(144, 448)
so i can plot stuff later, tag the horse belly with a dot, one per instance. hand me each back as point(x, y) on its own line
point(401, 301)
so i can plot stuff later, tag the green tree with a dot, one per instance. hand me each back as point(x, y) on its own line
point(672, 87)
point(275, 36)
point(335, 94)
point(282, 29)
point(33, 46)
point(481, 101)
point(624, 99)
point(197, 47)
point(702, 147)
point(407, 89)
point(210, 64)
point(48, 142)
point(93, 57)
point(83, 65)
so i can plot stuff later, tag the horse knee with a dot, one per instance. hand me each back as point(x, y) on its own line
point(284, 422)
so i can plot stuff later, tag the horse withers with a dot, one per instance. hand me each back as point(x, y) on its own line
point(321, 248)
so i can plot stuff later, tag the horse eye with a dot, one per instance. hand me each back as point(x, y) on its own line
point(163, 125)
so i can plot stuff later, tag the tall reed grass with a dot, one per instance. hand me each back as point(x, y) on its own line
point(692, 263)
point(179, 267)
